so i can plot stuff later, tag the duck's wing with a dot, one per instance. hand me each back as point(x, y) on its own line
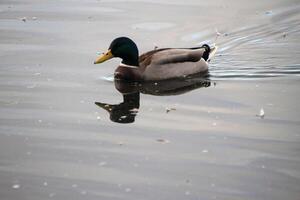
point(146, 58)
point(168, 56)
point(172, 63)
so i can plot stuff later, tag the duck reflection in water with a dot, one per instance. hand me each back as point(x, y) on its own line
point(126, 111)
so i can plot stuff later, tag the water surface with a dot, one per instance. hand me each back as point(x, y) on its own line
point(187, 141)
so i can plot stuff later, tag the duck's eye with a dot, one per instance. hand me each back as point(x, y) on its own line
point(107, 54)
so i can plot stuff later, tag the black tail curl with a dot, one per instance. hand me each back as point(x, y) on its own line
point(207, 51)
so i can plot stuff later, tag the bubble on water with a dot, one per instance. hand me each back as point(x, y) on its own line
point(16, 186)
point(83, 192)
point(45, 183)
point(135, 165)
point(52, 194)
point(101, 164)
point(204, 151)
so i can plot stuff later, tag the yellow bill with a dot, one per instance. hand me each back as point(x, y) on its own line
point(104, 57)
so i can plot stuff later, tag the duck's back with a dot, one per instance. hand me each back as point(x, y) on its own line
point(172, 63)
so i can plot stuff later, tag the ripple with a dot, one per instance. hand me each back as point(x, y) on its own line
point(109, 78)
point(254, 72)
point(264, 50)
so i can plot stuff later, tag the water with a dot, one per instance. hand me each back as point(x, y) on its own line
point(68, 131)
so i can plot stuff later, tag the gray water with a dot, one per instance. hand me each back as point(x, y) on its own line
point(195, 138)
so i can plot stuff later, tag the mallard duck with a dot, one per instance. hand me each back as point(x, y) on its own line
point(158, 64)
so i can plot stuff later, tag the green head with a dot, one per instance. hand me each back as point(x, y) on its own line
point(123, 48)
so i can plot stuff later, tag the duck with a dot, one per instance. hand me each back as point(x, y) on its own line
point(158, 64)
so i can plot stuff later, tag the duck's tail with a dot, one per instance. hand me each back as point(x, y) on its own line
point(209, 52)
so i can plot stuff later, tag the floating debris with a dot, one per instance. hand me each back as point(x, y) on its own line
point(217, 32)
point(16, 186)
point(284, 35)
point(164, 141)
point(37, 74)
point(98, 117)
point(34, 18)
point(121, 143)
point(170, 109)
point(261, 113)
point(24, 19)
point(269, 12)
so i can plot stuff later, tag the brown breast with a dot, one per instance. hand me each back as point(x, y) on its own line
point(126, 73)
